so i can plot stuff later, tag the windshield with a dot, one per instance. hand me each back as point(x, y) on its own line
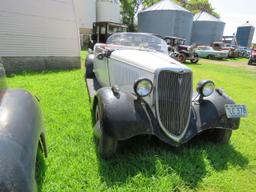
point(139, 40)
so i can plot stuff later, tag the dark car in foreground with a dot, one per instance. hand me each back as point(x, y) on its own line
point(137, 89)
point(22, 134)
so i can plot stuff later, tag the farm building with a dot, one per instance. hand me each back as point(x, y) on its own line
point(90, 11)
point(206, 29)
point(166, 18)
point(38, 35)
point(244, 34)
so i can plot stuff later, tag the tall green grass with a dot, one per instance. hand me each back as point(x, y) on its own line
point(142, 164)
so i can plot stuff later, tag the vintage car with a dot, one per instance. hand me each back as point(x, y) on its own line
point(179, 51)
point(102, 30)
point(137, 89)
point(22, 134)
point(209, 53)
point(221, 46)
point(252, 59)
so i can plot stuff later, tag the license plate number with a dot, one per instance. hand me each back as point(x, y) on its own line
point(235, 111)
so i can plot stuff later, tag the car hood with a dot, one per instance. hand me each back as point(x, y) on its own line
point(147, 60)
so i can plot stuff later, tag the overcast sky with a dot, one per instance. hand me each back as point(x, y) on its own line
point(235, 13)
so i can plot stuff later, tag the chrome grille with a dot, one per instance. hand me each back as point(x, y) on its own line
point(174, 91)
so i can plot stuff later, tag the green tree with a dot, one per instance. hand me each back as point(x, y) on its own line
point(195, 6)
point(128, 11)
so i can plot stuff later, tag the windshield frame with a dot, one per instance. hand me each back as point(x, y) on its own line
point(137, 41)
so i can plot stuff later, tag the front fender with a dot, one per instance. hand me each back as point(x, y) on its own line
point(124, 116)
point(20, 130)
point(210, 113)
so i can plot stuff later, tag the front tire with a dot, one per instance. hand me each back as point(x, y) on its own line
point(221, 136)
point(106, 144)
point(212, 57)
point(194, 60)
point(182, 58)
point(89, 74)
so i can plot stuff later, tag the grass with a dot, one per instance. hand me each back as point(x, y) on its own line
point(142, 165)
point(237, 59)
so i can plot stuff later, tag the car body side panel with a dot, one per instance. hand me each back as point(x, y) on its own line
point(20, 129)
point(101, 71)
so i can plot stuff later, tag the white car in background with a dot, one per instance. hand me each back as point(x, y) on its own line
point(209, 53)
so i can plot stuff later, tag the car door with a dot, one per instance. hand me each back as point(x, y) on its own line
point(100, 68)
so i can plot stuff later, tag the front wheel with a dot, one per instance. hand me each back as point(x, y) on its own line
point(106, 144)
point(221, 136)
point(212, 57)
point(89, 74)
point(182, 57)
point(195, 60)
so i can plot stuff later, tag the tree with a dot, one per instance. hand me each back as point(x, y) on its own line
point(196, 6)
point(129, 8)
point(128, 11)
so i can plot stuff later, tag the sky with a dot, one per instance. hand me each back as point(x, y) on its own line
point(236, 12)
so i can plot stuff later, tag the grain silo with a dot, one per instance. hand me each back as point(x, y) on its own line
point(108, 10)
point(166, 18)
point(34, 36)
point(206, 29)
point(244, 34)
point(86, 10)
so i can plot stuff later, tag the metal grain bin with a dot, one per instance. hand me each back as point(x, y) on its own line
point(206, 29)
point(244, 34)
point(108, 10)
point(166, 18)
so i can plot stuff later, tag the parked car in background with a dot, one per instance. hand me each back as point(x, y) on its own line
point(252, 59)
point(220, 46)
point(179, 51)
point(102, 30)
point(209, 53)
point(22, 135)
point(244, 52)
point(137, 89)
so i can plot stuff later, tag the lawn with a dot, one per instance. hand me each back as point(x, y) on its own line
point(143, 164)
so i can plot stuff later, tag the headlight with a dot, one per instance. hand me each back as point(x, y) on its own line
point(205, 88)
point(143, 87)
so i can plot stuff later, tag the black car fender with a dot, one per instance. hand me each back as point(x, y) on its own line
point(209, 113)
point(21, 132)
point(124, 115)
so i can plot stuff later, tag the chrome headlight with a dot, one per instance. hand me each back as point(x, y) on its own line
point(205, 88)
point(143, 87)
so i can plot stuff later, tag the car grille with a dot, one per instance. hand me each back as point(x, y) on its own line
point(174, 93)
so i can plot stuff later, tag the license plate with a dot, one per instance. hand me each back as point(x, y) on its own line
point(235, 111)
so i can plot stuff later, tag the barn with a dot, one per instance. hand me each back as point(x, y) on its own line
point(39, 35)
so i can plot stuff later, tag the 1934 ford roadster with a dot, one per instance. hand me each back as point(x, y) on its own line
point(138, 90)
point(21, 136)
